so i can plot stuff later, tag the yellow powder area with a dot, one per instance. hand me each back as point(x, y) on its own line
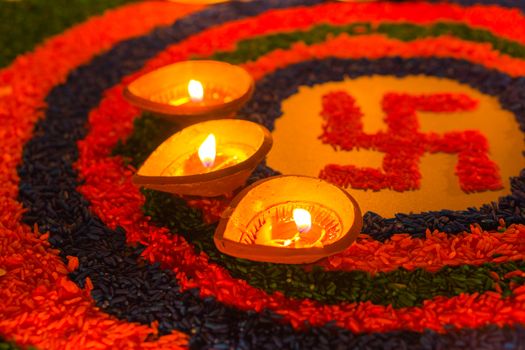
point(297, 149)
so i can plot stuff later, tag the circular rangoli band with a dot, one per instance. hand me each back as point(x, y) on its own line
point(164, 256)
point(115, 244)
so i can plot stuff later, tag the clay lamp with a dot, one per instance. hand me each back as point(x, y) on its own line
point(289, 220)
point(192, 91)
point(207, 159)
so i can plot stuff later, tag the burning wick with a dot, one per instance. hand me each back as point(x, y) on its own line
point(280, 233)
point(207, 151)
point(303, 220)
point(195, 90)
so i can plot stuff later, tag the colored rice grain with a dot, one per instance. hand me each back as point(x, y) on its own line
point(216, 331)
point(33, 300)
point(403, 143)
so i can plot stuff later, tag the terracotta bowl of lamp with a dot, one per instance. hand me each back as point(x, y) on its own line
point(226, 89)
point(258, 225)
point(166, 170)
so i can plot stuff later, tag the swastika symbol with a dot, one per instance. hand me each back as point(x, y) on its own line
point(403, 143)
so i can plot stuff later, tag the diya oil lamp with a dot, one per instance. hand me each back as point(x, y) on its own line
point(192, 91)
point(208, 159)
point(289, 220)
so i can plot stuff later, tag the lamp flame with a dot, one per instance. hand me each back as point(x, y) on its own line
point(195, 90)
point(207, 151)
point(303, 220)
